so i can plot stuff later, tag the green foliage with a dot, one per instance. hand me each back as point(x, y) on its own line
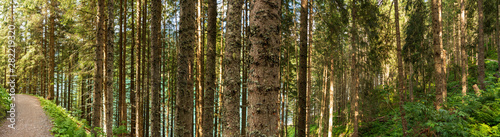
point(121, 129)
point(64, 124)
point(4, 102)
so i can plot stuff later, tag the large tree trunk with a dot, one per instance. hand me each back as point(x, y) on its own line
point(400, 69)
point(96, 118)
point(199, 70)
point(480, 46)
point(264, 63)
point(109, 68)
point(184, 103)
point(463, 45)
point(354, 75)
point(232, 81)
point(309, 119)
point(155, 66)
point(210, 75)
point(302, 79)
point(51, 50)
point(135, 76)
point(330, 101)
point(123, 42)
point(438, 47)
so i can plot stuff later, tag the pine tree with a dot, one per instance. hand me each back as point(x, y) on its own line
point(264, 62)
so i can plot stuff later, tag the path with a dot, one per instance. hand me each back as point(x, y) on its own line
point(31, 120)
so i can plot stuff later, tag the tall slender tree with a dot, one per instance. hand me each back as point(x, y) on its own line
point(400, 68)
point(463, 42)
point(53, 4)
point(96, 114)
point(302, 81)
point(480, 46)
point(109, 67)
point(354, 73)
point(263, 90)
point(155, 66)
point(438, 48)
point(210, 75)
point(184, 103)
point(232, 60)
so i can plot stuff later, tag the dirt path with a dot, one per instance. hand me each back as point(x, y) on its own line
point(31, 120)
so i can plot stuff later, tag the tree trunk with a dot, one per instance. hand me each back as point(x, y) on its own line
point(210, 75)
point(109, 68)
point(184, 103)
point(354, 75)
point(480, 46)
point(96, 118)
point(330, 116)
point(264, 61)
point(199, 69)
point(400, 69)
point(134, 73)
point(309, 119)
point(155, 66)
point(463, 45)
point(302, 78)
point(437, 43)
point(51, 50)
point(232, 81)
point(123, 42)
point(497, 28)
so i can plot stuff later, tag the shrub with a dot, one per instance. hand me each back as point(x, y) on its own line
point(64, 124)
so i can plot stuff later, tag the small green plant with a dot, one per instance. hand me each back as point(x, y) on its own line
point(4, 102)
point(64, 124)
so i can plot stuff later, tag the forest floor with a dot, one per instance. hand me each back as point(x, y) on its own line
point(30, 119)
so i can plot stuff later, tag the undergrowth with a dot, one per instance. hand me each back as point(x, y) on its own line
point(64, 124)
point(4, 103)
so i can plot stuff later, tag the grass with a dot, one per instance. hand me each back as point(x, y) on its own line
point(64, 124)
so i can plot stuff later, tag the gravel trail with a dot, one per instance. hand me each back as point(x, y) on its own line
point(30, 120)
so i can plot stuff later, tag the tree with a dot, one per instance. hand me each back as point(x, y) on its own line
point(354, 75)
point(302, 81)
point(96, 118)
point(264, 62)
point(480, 46)
point(438, 47)
point(184, 105)
point(51, 49)
point(155, 65)
point(210, 75)
point(400, 68)
point(123, 41)
point(463, 42)
point(109, 67)
point(232, 60)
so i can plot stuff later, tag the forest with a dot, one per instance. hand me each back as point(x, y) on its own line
point(251, 68)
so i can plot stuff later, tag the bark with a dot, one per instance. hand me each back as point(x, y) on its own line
point(354, 75)
point(184, 104)
point(123, 41)
point(199, 70)
point(135, 75)
point(497, 28)
point(400, 69)
point(463, 45)
point(330, 117)
point(210, 75)
point(232, 80)
point(264, 62)
point(155, 66)
point(302, 78)
point(53, 4)
point(480, 46)
point(437, 45)
point(309, 119)
point(96, 118)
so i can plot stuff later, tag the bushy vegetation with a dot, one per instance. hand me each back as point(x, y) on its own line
point(472, 115)
point(64, 124)
point(4, 103)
